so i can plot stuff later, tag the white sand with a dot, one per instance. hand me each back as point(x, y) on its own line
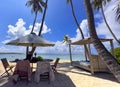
point(67, 76)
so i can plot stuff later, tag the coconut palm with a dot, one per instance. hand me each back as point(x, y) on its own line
point(36, 7)
point(41, 27)
point(43, 18)
point(77, 24)
point(109, 59)
point(98, 4)
point(67, 40)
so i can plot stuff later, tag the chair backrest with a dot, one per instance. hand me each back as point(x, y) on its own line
point(56, 62)
point(5, 63)
point(43, 70)
point(43, 66)
point(23, 69)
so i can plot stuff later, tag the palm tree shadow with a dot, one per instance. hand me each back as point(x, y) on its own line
point(69, 68)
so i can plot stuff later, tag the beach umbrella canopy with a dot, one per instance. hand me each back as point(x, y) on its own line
point(30, 40)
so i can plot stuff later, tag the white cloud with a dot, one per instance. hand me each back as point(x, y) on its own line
point(84, 27)
point(59, 48)
point(101, 26)
point(114, 25)
point(15, 31)
point(20, 30)
point(4, 49)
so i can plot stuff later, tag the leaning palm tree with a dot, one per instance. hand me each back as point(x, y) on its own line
point(77, 24)
point(106, 56)
point(36, 7)
point(41, 27)
point(98, 4)
point(67, 40)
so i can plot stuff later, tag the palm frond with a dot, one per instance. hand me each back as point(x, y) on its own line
point(40, 9)
point(29, 3)
point(36, 5)
point(43, 3)
point(68, 1)
point(98, 3)
point(118, 13)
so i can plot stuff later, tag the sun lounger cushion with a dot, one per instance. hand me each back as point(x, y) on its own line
point(84, 63)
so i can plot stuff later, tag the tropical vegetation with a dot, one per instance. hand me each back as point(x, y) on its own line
point(110, 61)
point(41, 27)
point(117, 54)
point(67, 40)
point(37, 5)
point(40, 58)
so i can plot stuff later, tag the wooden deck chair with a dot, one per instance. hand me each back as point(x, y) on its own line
point(22, 71)
point(55, 64)
point(6, 66)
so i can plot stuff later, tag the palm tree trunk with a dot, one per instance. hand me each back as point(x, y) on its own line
point(41, 27)
point(27, 48)
point(70, 53)
point(43, 18)
point(76, 22)
point(110, 61)
point(108, 25)
point(34, 22)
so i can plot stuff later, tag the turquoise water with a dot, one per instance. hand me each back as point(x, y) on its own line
point(11, 57)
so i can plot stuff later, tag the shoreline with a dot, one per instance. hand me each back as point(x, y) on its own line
point(12, 57)
point(10, 53)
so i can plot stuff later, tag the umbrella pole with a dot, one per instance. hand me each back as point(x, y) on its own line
point(27, 49)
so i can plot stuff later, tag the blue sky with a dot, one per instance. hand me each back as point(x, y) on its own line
point(16, 20)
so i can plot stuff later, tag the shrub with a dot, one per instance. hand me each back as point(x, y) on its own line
point(40, 58)
point(117, 54)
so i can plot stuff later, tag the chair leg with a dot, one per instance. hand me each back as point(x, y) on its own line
point(4, 73)
point(11, 70)
point(7, 72)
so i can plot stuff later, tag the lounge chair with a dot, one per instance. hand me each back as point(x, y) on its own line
point(22, 71)
point(6, 66)
point(55, 64)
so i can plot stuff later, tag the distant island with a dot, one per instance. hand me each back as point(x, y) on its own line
point(10, 53)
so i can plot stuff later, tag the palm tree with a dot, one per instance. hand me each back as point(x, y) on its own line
point(67, 40)
point(98, 4)
point(36, 7)
point(109, 59)
point(77, 24)
point(41, 27)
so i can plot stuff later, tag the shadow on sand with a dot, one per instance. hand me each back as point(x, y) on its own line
point(61, 80)
point(69, 68)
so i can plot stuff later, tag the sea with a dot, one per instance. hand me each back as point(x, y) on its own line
point(13, 56)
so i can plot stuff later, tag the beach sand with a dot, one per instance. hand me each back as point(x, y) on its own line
point(67, 76)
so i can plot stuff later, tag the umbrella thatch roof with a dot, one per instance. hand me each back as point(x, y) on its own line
point(30, 40)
